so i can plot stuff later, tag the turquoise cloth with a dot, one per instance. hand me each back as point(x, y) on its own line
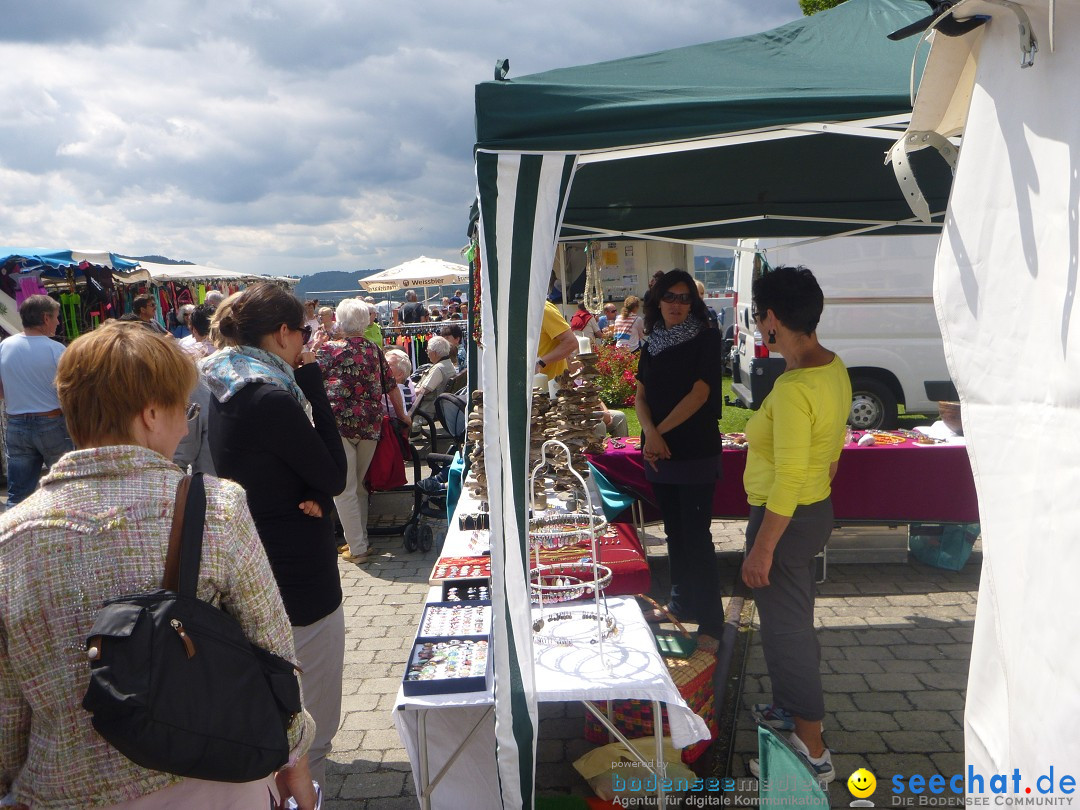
point(453, 485)
point(785, 779)
point(615, 501)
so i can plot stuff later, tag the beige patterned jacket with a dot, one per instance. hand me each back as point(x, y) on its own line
point(97, 528)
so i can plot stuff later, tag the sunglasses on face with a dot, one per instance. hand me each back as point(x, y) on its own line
point(758, 315)
point(192, 411)
point(682, 298)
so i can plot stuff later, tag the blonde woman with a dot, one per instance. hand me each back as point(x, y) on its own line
point(124, 391)
point(629, 326)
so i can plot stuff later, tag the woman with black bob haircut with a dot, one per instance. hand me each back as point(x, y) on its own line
point(794, 442)
point(272, 431)
point(678, 405)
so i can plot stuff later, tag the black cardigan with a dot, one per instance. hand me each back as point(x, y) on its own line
point(262, 439)
point(670, 376)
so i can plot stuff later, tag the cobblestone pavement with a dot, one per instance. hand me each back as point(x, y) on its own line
point(896, 638)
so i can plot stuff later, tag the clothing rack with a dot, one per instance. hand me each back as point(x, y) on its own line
point(412, 338)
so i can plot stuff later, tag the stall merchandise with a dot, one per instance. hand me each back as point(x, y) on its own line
point(446, 724)
point(899, 482)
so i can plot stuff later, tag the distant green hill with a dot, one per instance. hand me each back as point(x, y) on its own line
point(332, 280)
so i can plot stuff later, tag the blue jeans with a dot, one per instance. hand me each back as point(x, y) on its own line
point(31, 442)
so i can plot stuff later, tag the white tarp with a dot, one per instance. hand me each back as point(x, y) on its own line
point(159, 273)
point(1007, 274)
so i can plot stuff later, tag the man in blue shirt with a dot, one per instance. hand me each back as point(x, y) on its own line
point(36, 432)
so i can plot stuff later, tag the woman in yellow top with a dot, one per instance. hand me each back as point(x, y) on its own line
point(794, 442)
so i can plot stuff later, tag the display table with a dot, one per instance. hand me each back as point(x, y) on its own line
point(450, 738)
point(894, 483)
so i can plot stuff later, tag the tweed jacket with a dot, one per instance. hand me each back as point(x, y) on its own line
point(98, 528)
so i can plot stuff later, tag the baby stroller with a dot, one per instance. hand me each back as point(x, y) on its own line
point(451, 412)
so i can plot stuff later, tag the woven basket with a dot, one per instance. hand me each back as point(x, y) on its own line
point(693, 677)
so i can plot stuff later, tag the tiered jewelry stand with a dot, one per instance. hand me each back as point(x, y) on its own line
point(567, 582)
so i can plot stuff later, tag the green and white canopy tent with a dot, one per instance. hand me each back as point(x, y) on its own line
point(782, 133)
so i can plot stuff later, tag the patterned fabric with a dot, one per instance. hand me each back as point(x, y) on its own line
point(357, 375)
point(661, 339)
point(98, 528)
point(228, 371)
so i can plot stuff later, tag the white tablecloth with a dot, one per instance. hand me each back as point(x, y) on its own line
point(562, 674)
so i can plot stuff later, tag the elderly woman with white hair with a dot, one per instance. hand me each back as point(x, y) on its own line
point(357, 378)
point(401, 368)
point(437, 378)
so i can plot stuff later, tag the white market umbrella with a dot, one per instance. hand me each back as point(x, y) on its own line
point(422, 272)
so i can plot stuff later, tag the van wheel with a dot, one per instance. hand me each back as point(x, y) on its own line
point(872, 405)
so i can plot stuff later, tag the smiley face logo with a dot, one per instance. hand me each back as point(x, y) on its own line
point(861, 783)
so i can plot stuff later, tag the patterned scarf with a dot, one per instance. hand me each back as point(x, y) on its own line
point(230, 369)
point(661, 339)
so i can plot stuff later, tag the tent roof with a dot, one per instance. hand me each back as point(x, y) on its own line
point(836, 66)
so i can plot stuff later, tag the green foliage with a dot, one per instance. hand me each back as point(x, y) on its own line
point(814, 6)
point(616, 382)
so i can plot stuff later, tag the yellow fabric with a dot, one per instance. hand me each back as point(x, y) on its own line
point(795, 437)
point(554, 325)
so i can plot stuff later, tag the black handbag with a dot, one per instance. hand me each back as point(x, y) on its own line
point(174, 684)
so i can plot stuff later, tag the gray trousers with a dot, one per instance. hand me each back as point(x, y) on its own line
point(320, 651)
point(786, 609)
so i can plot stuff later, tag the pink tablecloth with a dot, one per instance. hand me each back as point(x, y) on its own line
point(901, 483)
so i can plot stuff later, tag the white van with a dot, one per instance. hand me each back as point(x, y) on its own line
point(879, 317)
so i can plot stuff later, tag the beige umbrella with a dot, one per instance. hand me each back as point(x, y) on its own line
point(422, 272)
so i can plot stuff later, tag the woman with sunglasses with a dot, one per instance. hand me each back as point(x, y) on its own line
point(272, 431)
point(678, 405)
point(794, 443)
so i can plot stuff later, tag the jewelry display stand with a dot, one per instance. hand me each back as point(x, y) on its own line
point(567, 582)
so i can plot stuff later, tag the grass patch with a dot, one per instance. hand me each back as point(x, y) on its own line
point(732, 421)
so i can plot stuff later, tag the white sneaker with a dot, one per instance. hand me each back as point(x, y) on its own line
point(821, 766)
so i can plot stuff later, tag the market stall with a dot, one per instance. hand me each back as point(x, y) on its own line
point(902, 481)
point(94, 286)
point(781, 133)
point(448, 730)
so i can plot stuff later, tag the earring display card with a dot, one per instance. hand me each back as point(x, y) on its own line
point(447, 666)
point(460, 568)
point(456, 619)
point(466, 590)
point(474, 521)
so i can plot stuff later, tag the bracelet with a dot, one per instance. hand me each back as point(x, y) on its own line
point(610, 627)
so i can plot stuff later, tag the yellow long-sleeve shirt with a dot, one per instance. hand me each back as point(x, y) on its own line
point(795, 437)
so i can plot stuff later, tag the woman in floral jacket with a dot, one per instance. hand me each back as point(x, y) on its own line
point(357, 378)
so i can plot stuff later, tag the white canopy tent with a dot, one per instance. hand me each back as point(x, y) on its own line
point(1005, 289)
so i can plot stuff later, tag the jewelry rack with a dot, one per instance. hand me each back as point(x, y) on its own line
point(563, 582)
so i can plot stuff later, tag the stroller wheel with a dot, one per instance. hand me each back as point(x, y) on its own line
point(426, 538)
point(411, 538)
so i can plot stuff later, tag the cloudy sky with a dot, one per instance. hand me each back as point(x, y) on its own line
point(283, 136)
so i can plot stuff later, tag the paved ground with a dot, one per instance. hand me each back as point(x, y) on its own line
point(895, 636)
point(895, 641)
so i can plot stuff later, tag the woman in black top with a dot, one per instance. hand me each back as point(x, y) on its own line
point(272, 431)
point(678, 406)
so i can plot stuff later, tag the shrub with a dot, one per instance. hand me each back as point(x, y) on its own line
point(616, 382)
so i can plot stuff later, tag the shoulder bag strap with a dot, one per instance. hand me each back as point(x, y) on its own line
point(185, 538)
point(172, 560)
point(191, 550)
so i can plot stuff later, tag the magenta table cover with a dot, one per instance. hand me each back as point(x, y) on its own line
point(900, 483)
